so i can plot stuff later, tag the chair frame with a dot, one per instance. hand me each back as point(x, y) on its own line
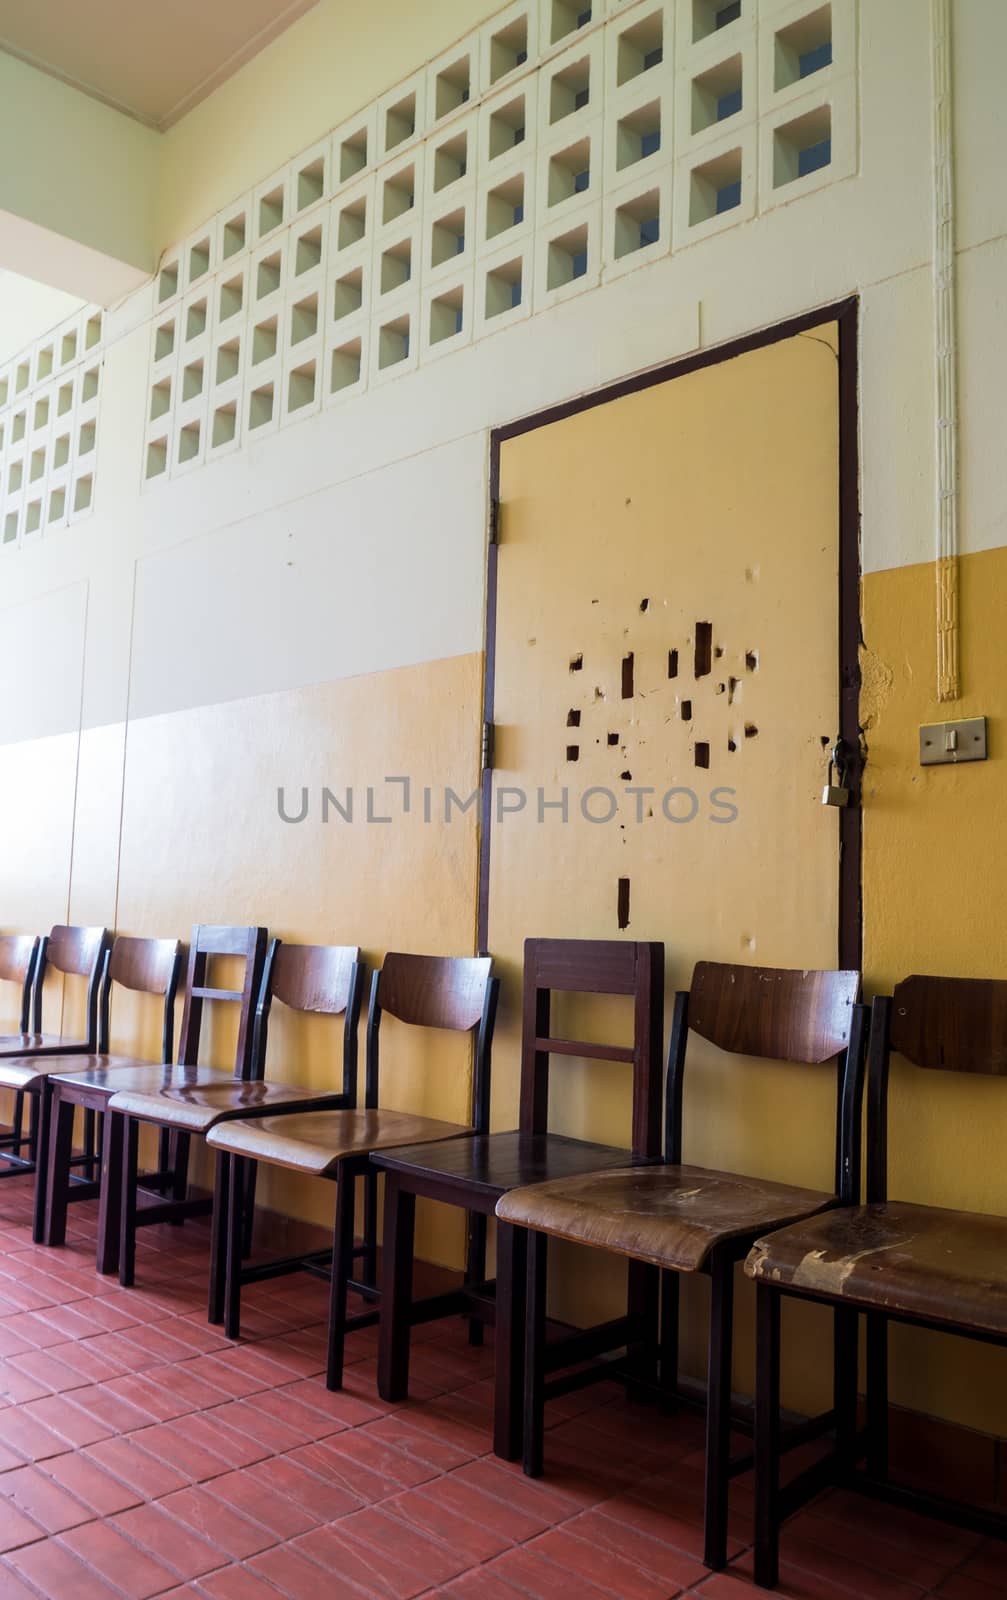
point(247, 943)
point(731, 1030)
point(24, 955)
point(64, 949)
point(551, 965)
point(234, 1176)
point(773, 1504)
point(61, 1188)
point(336, 1264)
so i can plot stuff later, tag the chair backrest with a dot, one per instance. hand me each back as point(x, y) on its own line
point(248, 944)
point(147, 966)
point(455, 992)
point(325, 979)
point(942, 1024)
point(779, 1014)
point(594, 966)
point(18, 954)
point(77, 953)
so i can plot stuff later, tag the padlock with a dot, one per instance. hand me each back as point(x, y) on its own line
point(836, 794)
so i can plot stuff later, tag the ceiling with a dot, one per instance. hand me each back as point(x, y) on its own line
point(153, 59)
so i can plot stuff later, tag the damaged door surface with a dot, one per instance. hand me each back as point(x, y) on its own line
point(666, 694)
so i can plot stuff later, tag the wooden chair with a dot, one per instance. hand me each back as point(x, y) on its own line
point(207, 943)
point(897, 1262)
point(18, 954)
point(26, 1058)
point(145, 966)
point(436, 992)
point(475, 1173)
point(686, 1219)
point(194, 1100)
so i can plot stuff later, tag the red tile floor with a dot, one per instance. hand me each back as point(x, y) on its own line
point(143, 1454)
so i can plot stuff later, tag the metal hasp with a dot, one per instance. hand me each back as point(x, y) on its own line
point(953, 742)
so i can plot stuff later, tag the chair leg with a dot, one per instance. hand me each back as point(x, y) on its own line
point(17, 1122)
point(89, 1145)
point(877, 1396)
point(643, 1305)
point(396, 1290)
point(845, 1324)
point(509, 1353)
point(110, 1197)
point(342, 1263)
point(475, 1267)
point(668, 1349)
point(219, 1238)
point(718, 1412)
point(34, 1102)
point(180, 1170)
point(56, 1180)
point(370, 1257)
point(232, 1179)
point(127, 1216)
point(767, 1436)
point(533, 1448)
point(41, 1107)
point(248, 1207)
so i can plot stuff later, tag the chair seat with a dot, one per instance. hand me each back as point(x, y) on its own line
point(30, 1044)
point(196, 1104)
point(318, 1140)
point(27, 1072)
point(943, 1267)
point(493, 1163)
point(670, 1216)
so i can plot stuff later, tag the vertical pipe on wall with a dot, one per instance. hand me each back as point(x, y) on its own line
point(948, 687)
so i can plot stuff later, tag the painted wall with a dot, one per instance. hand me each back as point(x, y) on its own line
point(309, 609)
point(78, 204)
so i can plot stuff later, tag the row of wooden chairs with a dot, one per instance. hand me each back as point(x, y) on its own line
point(667, 1218)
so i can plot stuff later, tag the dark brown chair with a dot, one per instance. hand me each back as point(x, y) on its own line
point(145, 966)
point(194, 1100)
point(894, 1261)
point(685, 1219)
point(475, 1173)
point(26, 1058)
point(208, 943)
point(438, 992)
point(18, 954)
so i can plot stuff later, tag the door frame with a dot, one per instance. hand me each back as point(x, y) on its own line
point(845, 314)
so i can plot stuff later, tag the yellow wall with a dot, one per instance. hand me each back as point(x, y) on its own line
point(934, 883)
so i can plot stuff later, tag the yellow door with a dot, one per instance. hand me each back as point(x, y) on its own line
point(666, 690)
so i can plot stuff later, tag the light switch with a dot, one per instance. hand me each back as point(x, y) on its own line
point(953, 742)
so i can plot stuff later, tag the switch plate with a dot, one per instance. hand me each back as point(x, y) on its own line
point(943, 743)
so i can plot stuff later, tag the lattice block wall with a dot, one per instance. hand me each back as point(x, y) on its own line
point(49, 430)
point(561, 145)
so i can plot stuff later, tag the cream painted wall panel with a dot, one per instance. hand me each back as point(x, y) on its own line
point(979, 40)
point(94, 873)
point(41, 663)
point(896, 420)
point(379, 572)
point(982, 395)
point(37, 784)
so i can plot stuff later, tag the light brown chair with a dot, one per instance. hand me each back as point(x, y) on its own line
point(688, 1219)
point(456, 993)
point(26, 1058)
point(327, 978)
point(18, 954)
point(891, 1260)
point(145, 966)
